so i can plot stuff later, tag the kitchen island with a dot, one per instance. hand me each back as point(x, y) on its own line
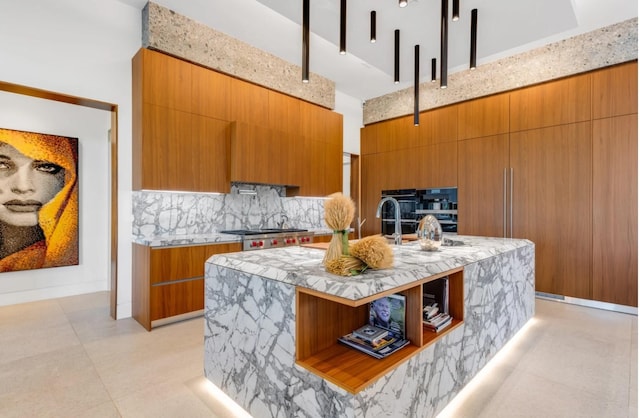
point(272, 318)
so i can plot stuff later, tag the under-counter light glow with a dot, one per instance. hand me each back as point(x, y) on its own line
point(216, 398)
point(483, 378)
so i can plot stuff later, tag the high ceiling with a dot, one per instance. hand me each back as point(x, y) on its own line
point(505, 27)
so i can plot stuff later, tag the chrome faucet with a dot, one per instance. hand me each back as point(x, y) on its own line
point(398, 227)
point(283, 219)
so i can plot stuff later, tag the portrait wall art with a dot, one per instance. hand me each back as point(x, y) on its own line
point(38, 200)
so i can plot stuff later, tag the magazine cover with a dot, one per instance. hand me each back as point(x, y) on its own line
point(389, 313)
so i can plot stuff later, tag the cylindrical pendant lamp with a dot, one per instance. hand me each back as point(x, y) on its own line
point(474, 38)
point(402, 3)
point(305, 41)
point(433, 70)
point(444, 35)
point(416, 86)
point(372, 38)
point(396, 59)
point(343, 27)
point(455, 13)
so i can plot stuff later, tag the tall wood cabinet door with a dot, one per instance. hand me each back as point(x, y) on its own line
point(437, 126)
point(284, 113)
point(437, 165)
point(166, 81)
point(210, 154)
point(483, 170)
point(615, 210)
point(615, 91)
point(334, 168)
point(210, 92)
point(552, 204)
point(372, 179)
point(483, 117)
point(248, 103)
point(166, 149)
point(550, 104)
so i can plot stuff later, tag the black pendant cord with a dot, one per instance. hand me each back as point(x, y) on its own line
point(305, 41)
point(444, 31)
point(433, 70)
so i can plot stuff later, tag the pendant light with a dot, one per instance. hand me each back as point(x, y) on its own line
point(455, 13)
point(343, 27)
point(444, 29)
point(402, 3)
point(305, 41)
point(396, 60)
point(433, 70)
point(416, 86)
point(372, 36)
point(474, 37)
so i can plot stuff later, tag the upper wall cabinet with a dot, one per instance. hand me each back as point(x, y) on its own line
point(550, 104)
point(248, 103)
point(166, 81)
point(210, 93)
point(615, 91)
point(487, 116)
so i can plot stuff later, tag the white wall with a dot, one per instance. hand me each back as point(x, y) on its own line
point(351, 109)
point(80, 48)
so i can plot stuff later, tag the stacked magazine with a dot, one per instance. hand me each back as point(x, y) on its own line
point(385, 332)
point(435, 312)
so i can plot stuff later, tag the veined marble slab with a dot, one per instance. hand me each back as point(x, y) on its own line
point(250, 323)
point(303, 267)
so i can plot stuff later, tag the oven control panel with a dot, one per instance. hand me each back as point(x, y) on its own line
point(266, 241)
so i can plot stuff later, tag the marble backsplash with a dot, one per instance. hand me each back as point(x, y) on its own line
point(162, 213)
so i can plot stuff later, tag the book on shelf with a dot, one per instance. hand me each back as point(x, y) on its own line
point(388, 345)
point(436, 292)
point(388, 312)
point(438, 322)
point(430, 310)
point(371, 333)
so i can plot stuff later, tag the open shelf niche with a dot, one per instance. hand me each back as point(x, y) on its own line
point(321, 319)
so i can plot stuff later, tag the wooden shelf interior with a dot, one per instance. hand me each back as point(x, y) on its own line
point(320, 322)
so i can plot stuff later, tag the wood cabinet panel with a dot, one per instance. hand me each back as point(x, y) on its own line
point(312, 124)
point(170, 281)
point(401, 134)
point(210, 154)
point(173, 299)
point(166, 80)
point(552, 204)
point(251, 153)
point(615, 210)
point(248, 103)
point(166, 149)
point(550, 104)
point(437, 126)
point(210, 93)
point(482, 185)
point(369, 139)
point(483, 117)
point(284, 113)
point(437, 165)
point(333, 154)
point(372, 186)
point(615, 91)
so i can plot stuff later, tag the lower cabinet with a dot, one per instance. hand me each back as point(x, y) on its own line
point(320, 322)
point(168, 283)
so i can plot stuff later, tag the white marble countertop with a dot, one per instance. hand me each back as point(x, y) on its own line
point(302, 266)
point(200, 239)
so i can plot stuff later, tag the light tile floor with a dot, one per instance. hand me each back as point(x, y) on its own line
point(66, 358)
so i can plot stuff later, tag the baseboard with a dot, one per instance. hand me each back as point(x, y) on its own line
point(589, 303)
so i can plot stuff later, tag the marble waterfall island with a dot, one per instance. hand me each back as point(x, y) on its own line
point(272, 319)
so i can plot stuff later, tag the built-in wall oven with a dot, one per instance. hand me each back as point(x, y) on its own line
point(408, 201)
point(441, 203)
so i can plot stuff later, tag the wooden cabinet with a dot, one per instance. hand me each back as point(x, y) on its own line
point(615, 210)
point(483, 117)
point(438, 126)
point(211, 93)
point(168, 283)
point(320, 321)
point(483, 174)
point(615, 91)
point(249, 103)
point(165, 81)
point(554, 103)
point(552, 204)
